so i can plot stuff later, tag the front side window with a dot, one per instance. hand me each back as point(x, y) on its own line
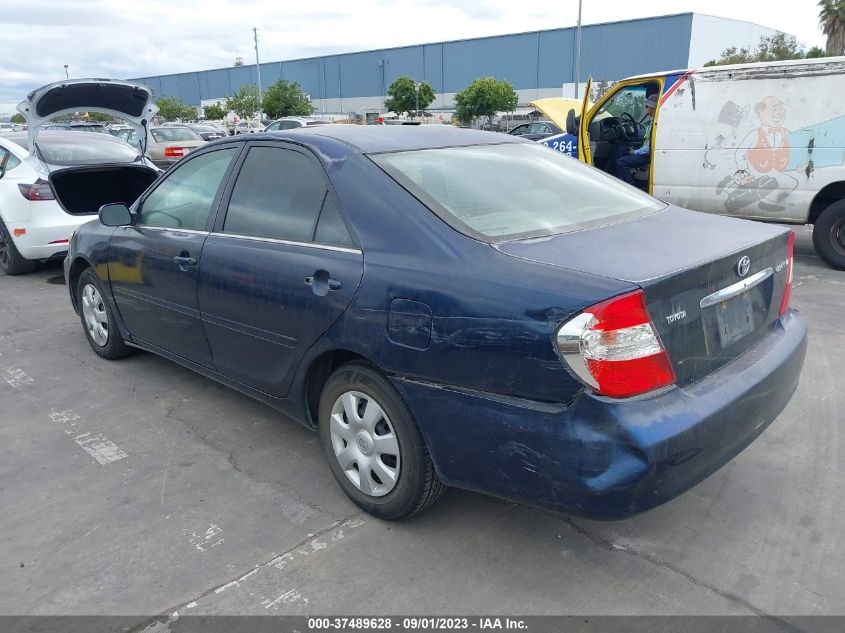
point(514, 190)
point(629, 100)
point(277, 195)
point(185, 196)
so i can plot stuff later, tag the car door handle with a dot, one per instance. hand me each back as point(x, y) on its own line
point(321, 282)
point(185, 262)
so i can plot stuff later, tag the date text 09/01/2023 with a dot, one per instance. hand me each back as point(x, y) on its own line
point(415, 623)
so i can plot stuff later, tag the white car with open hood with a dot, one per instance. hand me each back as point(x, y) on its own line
point(40, 207)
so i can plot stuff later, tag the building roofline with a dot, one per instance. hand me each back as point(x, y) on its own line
point(441, 42)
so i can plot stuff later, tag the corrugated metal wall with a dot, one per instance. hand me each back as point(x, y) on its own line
point(537, 60)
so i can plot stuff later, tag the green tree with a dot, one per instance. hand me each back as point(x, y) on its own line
point(17, 117)
point(403, 96)
point(484, 97)
point(244, 102)
point(815, 53)
point(770, 48)
point(99, 117)
point(286, 98)
point(832, 20)
point(171, 109)
point(215, 111)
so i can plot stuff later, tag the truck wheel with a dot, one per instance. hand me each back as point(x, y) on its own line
point(374, 448)
point(829, 235)
point(11, 261)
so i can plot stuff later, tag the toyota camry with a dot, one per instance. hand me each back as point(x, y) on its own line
point(452, 307)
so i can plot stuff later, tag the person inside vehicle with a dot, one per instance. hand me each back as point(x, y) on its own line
point(629, 158)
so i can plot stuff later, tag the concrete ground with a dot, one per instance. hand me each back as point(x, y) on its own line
point(208, 502)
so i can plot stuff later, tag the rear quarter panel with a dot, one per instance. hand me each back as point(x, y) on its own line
point(709, 123)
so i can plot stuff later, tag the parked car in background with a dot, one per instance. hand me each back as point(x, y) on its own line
point(246, 127)
point(455, 307)
point(166, 145)
point(35, 167)
point(536, 130)
point(207, 132)
point(293, 122)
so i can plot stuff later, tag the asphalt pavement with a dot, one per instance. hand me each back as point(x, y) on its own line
point(140, 488)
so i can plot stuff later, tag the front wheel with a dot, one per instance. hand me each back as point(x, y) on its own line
point(829, 235)
point(11, 261)
point(374, 448)
point(98, 319)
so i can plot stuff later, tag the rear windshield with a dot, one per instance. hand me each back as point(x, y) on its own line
point(84, 149)
point(514, 191)
point(165, 134)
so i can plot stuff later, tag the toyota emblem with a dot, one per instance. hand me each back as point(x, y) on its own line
point(743, 264)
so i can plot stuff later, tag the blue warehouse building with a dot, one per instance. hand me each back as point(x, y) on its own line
point(538, 63)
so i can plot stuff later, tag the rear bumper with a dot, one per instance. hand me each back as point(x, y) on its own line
point(47, 234)
point(602, 458)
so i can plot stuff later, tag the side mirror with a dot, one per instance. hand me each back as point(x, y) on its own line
point(571, 123)
point(115, 214)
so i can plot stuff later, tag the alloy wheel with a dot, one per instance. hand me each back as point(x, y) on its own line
point(94, 313)
point(365, 443)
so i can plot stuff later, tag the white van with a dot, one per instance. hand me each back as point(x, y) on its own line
point(762, 141)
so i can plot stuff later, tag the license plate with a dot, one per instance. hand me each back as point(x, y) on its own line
point(734, 319)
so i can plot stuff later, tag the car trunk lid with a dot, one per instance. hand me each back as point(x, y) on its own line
point(688, 265)
point(125, 100)
point(83, 190)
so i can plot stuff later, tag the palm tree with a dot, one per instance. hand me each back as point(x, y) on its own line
point(832, 21)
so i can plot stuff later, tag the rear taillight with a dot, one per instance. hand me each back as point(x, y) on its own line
point(614, 349)
point(40, 190)
point(174, 152)
point(790, 247)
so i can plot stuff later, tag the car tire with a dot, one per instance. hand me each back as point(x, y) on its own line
point(829, 235)
point(98, 320)
point(377, 456)
point(11, 261)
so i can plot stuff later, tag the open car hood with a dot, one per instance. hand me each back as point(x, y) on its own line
point(122, 99)
point(556, 109)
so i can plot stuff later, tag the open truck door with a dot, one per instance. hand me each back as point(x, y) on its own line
point(584, 154)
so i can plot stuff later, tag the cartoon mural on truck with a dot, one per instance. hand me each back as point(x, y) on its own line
point(768, 160)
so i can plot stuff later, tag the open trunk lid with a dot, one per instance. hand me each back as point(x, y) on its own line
point(125, 100)
point(707, 305)
point(83, 190)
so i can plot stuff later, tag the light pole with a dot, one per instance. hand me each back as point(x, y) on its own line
point(578, 50)
point(417, 95)
point(257, 70)
point(67, 76)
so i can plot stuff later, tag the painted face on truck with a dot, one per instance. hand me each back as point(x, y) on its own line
point(771, 111)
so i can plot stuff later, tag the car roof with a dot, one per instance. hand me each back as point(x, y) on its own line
point(374, 139)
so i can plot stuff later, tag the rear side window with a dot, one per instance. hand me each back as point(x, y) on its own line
point(330, 226)
point(168, 134)
point(185, 196)
point(277, 195)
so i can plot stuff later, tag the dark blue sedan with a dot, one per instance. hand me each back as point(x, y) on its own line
point(451, 308)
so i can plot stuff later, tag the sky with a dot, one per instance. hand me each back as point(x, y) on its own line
point(141, 38)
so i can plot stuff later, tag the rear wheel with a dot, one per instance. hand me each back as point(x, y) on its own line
point(11, 261)
point(829, 235)
point(98, 319)
point(374, 448)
